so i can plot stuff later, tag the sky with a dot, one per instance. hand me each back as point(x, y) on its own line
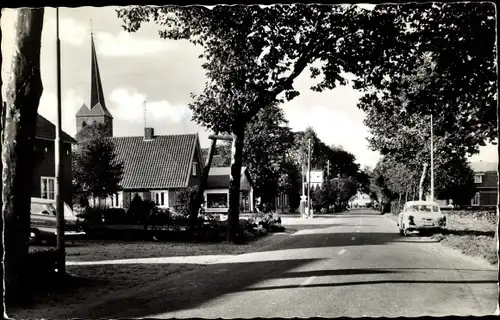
point(138, 67)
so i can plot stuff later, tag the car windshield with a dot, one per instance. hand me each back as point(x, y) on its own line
point(423, 208)
point(42, 208)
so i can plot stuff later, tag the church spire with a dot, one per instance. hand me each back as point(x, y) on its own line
point(96, 91)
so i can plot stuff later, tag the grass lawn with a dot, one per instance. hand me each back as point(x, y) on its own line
point(474, 235)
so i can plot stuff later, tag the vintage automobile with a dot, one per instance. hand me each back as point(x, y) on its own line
point(421, 216)
point(43, 224)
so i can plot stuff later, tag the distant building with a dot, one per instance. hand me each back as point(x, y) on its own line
point(360, 199)
point(486, 180)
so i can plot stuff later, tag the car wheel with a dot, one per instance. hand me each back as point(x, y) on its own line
point(406, 232)
point(34, 237)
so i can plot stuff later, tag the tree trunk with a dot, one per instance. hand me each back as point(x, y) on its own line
point(233, 225)
point(23, 93)
point(203, 183)
point(421, 185)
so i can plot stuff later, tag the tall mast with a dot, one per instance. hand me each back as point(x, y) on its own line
point(58, 161)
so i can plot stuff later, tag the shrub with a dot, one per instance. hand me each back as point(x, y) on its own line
point(41, 264)
point(139, 211)
point(90, 215)
point(266, 219)
point(115, 216)
point(185, 201)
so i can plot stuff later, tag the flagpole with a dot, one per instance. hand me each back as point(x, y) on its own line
point(58, 161)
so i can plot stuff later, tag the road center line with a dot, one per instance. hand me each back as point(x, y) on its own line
point(307, 281)
point(341, 252)
point(353, 238)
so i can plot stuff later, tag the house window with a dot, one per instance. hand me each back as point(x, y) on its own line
point(117, 200)
point(478, 178)
point(475, 200)
point(217, 200)
point(160, 198)
point(195, 169)
point(48, 187)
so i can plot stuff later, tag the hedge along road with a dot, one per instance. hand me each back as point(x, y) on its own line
point(341, 265)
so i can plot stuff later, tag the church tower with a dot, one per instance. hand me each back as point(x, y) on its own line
point(97, 111)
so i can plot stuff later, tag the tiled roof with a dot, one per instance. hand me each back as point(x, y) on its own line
point(218, 177)
point(481, 166)
point(47, 130)
point(161, 163)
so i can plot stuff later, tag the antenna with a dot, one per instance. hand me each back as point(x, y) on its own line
point(91, 28)
point(145, 114)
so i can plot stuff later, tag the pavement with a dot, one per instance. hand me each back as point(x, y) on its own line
point(350, 265)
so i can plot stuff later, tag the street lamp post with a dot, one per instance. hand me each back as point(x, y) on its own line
point(58, 163)
point(432, 159)
point(309, 180)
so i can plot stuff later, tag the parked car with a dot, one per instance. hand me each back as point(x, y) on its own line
point(421, 216)
point(43, 224)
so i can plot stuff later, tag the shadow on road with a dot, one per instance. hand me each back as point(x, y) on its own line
point(188, 290)
point(468, 232)
point(337, 272)
point(357, 283)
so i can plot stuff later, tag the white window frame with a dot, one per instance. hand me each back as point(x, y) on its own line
point(48, 192)
point(117, 200)
point(478, 178)
point(209, 192)
point(156, 198)
point(476, 201)
point(194, 169)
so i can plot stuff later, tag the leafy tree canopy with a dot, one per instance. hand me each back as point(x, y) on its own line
point(96, 169)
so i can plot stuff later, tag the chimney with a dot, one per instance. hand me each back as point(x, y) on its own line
point(149, 133)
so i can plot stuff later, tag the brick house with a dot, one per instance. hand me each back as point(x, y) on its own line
point(44, 169)
point(217, 191)
point(486, 180)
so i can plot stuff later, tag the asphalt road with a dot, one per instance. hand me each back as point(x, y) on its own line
point(352, 265)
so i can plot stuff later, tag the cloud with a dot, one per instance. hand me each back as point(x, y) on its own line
point(124, 44)
point(72, 100)
point(72, 32)
point(129, 105)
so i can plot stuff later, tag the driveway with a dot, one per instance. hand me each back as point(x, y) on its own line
point(341, 265)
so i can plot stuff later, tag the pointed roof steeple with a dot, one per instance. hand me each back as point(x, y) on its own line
point(96, 91)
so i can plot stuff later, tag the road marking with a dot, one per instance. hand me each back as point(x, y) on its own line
point(341, 252)
point(307, 281)
point(353, 238)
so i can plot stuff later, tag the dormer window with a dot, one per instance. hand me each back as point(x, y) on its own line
point(478, 178)
point(194, 169)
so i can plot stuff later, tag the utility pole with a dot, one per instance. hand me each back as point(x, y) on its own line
point(309, 180)
point(328, 169)
point(61, 268)
point(432, 159)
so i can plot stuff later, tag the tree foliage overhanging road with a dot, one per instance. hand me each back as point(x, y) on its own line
point(253, 55)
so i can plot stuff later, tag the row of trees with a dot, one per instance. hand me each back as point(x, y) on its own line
point(276, 157)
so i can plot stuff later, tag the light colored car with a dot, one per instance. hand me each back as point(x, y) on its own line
point(43, 225)
point(421, 216)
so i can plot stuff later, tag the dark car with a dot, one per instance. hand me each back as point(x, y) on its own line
point(43, 225)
